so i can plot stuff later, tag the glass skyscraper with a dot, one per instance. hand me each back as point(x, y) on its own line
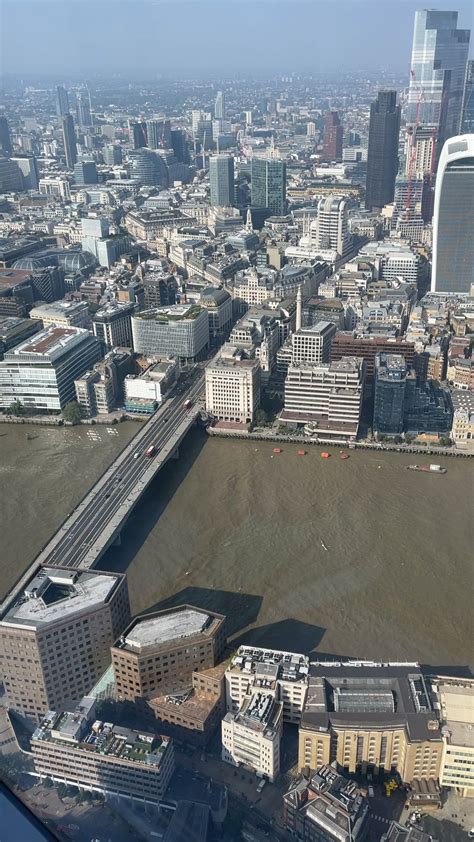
point(467, 117)
point(453, 221)
point(221, 175)
point(438, 63)
point(269, 184)
point(382, 152)
point(69, 140)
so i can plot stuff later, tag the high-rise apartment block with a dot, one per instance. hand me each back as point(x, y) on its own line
point(221, 177)
point(453, 220)
point(55, 636)
point(268, 187)
point(438, 71)
point(382, 155)
point(332, 139)
point(72, 746)
point(233, 386)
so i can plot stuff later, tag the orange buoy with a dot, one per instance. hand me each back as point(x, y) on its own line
point(324, 455)
point(277, 449)
point(301, 452)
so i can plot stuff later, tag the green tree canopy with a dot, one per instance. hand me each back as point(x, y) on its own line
point(72, 412)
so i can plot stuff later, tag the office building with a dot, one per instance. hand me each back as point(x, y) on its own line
point(73, 747)
point(112, 154)
point(147, 168)
point(330, 229)
point(62, 101)
point(332, 138)
point(327, 399)
point(69, 140)
point(391, 374)
point(11, 179)
point(5, 137)
point(14, 329)
point(56, 186)
point(218, 304)
point(83, 111)
point(28, 167)
point(453, 220)
point(283, 674)
point(421, 143)
point(112, 324)
point(456, 702)
point(55, 636)
point(312, 345)
point(137, 132)
point(100, 390)
point(158, 653)
point(462, 431)
point(323, 806)
point(370, 717)
point(268, 185)
point(382, 154)
point(62, 314)
point(40, 372)
point(438, 64)
point(219, 106)
point(368, 346)
point(251, 737)
point(467, 114)
point(233, 386)
point(221, 177)
point(179, 145)
point(180, 330)
point(85, 172)
point(158, 133)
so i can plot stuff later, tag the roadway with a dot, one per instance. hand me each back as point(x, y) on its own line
point(96, 522)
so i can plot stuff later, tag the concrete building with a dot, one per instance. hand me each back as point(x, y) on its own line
point(73, 747)
point(41, 371)
point(180, 330)
point(283, 674)
point(330, 229)
point(327, 399)
point(367, 346)
point(55, 635)
point(218, 304)
point(312, 345)
point(221, 177)
point(456, 703)
point(62, 314)
point(159, 652)
point(462, 432)
point(98, 392)
point(57, 186)
point(322, 806)
point(268, 176)
point(14, 330)
point(369, 716)
point(251, 737)
point(453, 220)
point(112, 324)
point(233, 386)
point(382, 154)
point(332, 138)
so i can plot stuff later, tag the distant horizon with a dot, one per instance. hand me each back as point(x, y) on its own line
point(202, 38)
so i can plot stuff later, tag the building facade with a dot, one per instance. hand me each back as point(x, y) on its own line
point(269, 185)
point(252, 736)
point(221, 177)
point(382, 155)
point(181, 330)
point(112, 325)
point(233, 386)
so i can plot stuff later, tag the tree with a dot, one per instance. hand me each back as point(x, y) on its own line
point(48, 783)
point(72, 412)
point(62, 791)
point(261, 417)
point(16, 408)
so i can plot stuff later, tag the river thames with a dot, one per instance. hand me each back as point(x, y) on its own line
point(358, 557)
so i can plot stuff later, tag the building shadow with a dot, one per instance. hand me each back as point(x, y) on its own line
point(153, 504)
point(448, 671)
point(288, 635)
point(240, 609)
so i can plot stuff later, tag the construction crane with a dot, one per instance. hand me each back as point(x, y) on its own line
point(412, 159)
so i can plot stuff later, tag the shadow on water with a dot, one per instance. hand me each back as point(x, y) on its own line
point(153, 503)
point(288, 635)
point(240, 609)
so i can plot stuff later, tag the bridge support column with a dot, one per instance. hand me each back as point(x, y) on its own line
point(117, 542)
point(175, 455)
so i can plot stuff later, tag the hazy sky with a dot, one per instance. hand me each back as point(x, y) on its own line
point(169, 36)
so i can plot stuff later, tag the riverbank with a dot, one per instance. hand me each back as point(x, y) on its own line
point(260, 435)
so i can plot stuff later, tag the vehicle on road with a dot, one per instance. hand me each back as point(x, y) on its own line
point(165, 419)
point(150, 451)
point(187, 404)
point(136, 455)
point(261, 784)
point(371, 792)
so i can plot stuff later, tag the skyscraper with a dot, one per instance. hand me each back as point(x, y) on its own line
point(332, 225)
point(62, 101)
point(5, 139)
point(467, 115)
point(453, 221)
point(179, 145)
point(83, 112)
point(219, 106)
point(269, 184)
point(158, 134)
point(382, 154)
point(221, 174)
point(332, 142)
point(85, 172)
point(438, 64)
point(138, 134)
point(69, 140)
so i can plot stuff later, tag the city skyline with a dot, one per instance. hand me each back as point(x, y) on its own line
point(381, 31)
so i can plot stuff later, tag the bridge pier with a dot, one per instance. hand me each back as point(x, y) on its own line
point(117, 542)
point(175, 455)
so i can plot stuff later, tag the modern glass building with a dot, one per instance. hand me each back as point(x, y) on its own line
point(158, 134)
point(180, 330)
point(453, 220)
point(269, 184)
point(390, 378)
point(69, 140)
point(219, 106)
point(438, 62)
point(62, 101)
point(221, 176)
point(382, 153)
point(467, 117)
point(147, 168)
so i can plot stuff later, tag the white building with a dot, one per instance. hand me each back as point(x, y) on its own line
point(326, 398)
point(312, 345)
point(232, 386)
point(252, 736)
point(180, 330)
point(391, 260)
point(462, 431)
point(55, 186)
point(330, 229)
point(63, 314)
point(41, 371)
point(283, 674)
point(456, 702)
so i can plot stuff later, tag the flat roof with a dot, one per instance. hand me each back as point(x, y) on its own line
point(457, 711)
point(270, 665)
point(166, 627)
point(13, 277)
point(54, 593)
point(47, 340)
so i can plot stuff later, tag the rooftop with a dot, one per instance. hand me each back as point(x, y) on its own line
point(456, 698)
point(270, 665)
point(330, 801)
point(12, 278)
point(167, 627)
point(50, 342)
point(173, 313)
point(260, 712)
point(54, 593)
